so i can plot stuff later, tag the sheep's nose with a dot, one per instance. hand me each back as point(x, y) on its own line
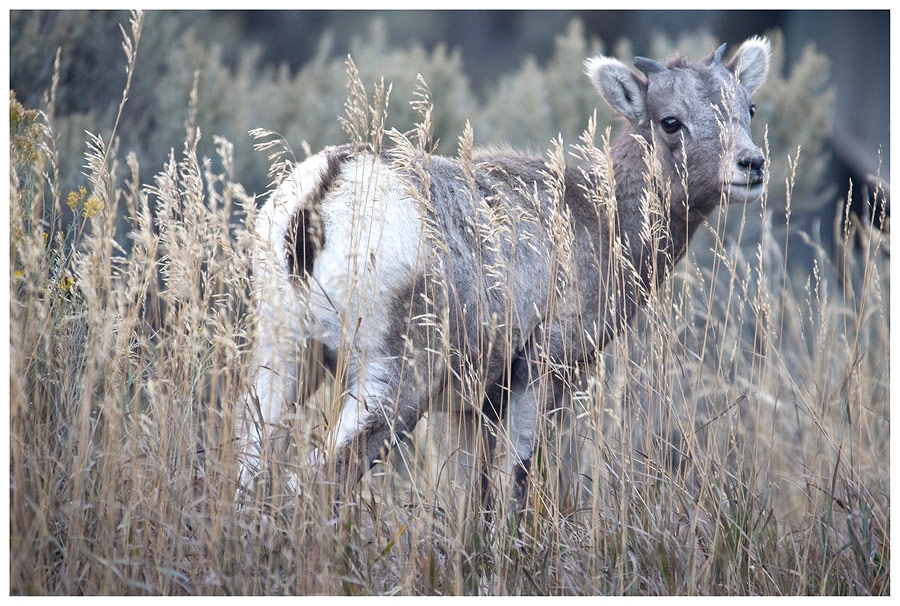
point(753, 162)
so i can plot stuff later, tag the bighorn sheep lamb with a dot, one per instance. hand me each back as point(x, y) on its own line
point(410, 272)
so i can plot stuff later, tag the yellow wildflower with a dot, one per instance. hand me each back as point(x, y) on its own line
point(93, 206)
point(79, 201)
point(75, 198)
point(65, 283)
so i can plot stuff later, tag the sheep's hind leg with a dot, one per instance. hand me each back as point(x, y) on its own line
point(373, 418)
point(292, 380)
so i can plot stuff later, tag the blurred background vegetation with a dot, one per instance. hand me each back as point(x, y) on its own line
point(515, 75)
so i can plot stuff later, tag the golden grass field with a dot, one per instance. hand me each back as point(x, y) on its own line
point(734, 442)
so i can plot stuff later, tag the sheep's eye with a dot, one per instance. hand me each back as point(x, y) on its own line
point(752, 109)
point(670, 124)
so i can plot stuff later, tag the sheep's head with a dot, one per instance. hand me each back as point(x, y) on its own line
point(697, 115)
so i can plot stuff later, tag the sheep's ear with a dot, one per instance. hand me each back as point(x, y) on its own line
point(751, 63)
point(624, 90)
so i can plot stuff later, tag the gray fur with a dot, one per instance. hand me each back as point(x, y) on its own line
point(479, 269)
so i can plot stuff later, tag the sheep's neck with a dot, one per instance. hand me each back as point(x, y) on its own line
point(654, 258)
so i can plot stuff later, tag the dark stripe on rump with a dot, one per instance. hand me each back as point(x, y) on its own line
point(305, 238)
point(306, 235)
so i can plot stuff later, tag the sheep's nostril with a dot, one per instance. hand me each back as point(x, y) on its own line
point(754, 164)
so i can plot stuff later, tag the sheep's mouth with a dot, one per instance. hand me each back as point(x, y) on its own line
point(746, 191)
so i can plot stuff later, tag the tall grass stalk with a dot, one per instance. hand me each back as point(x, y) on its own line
point(734, 441)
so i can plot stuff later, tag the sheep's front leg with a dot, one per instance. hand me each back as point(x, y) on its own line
point(523, 411)
point(530, 391)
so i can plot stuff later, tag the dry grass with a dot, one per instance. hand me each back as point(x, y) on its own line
point(734, 442)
